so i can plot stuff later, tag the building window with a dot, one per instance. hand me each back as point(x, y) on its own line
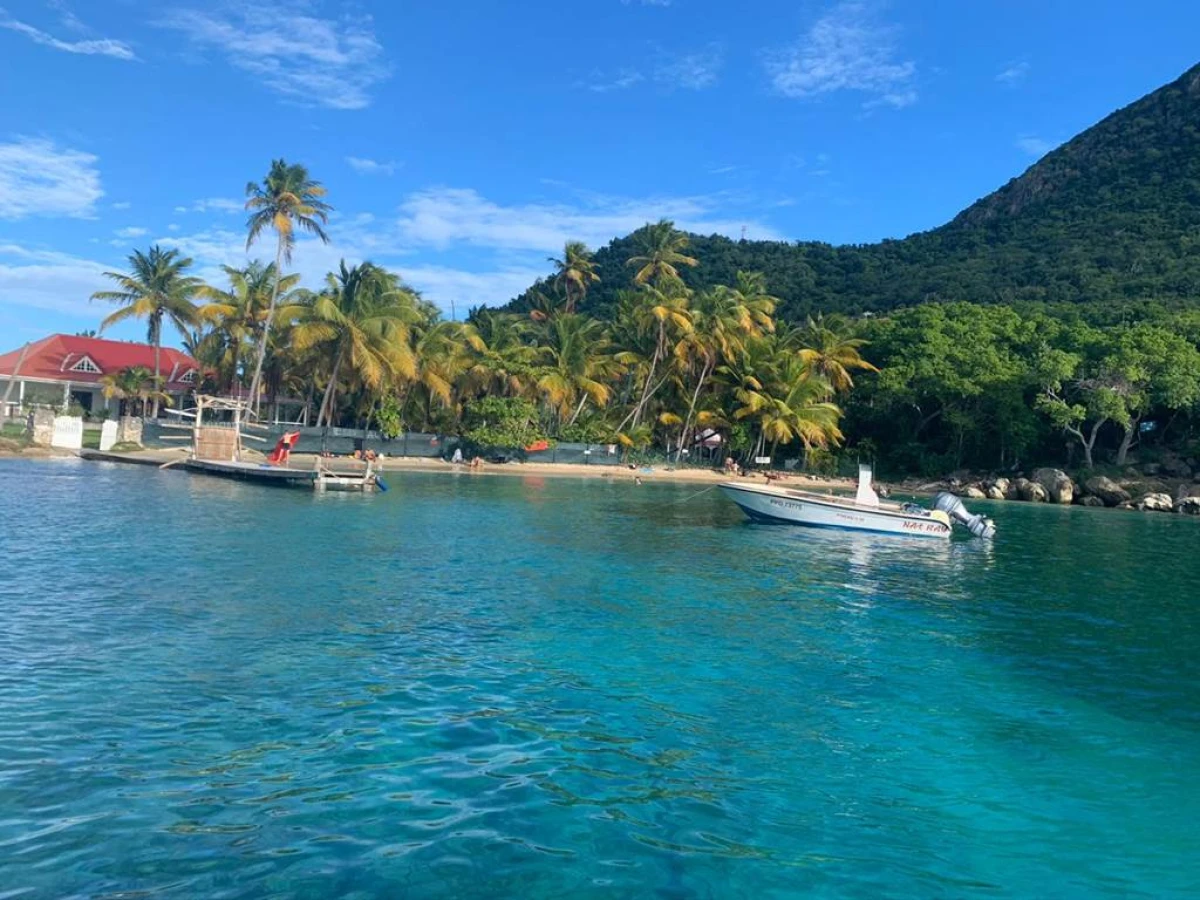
point(188, 377)
point(86, 365)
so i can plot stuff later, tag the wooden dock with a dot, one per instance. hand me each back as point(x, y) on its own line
point(263, 473)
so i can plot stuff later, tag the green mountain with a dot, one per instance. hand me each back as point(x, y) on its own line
point(1111, 216)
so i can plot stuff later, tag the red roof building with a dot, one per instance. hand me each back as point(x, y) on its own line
point(64, 367)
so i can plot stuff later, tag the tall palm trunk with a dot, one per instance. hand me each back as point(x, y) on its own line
point(234, 381)
point(266, 330)
point(578, 409)
point(687, 423)
point(659, 353)
point(330, 392)
point(156, 327)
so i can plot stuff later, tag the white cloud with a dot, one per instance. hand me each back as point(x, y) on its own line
point(456, 244)
point(130, 232)
point(97, 47)
point(673, 71)
point(39, 179)
point(370, 166)
point(124, 204)
point(218, 204)
point(49, 280)
point(847, 49)
point(459, 290)
point(1013, 73)
point(691, 71)
point(173, 227)
point(1034, 145)
point(894, 99)
point(441, 217)
point(624, 78)
point(332, 62)
point(213, 204)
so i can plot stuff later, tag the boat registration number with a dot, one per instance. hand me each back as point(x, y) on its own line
point(931, 527)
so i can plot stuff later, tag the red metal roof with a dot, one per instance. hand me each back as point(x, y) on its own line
point(53, 357)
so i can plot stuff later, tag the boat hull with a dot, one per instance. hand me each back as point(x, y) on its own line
point(797, 508)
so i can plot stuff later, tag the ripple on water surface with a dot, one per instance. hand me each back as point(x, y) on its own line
point(538, 687)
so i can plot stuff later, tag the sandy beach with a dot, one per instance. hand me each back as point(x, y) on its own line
point(659, 474)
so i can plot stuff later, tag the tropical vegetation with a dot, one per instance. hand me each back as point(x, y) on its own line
point(158, 289)
point(1107, 218)
point(658, 355)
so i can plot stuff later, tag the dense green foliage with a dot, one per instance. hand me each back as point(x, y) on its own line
point(1111, 216)
point(504, 423)
point(998, 387)
point(158, 289)
point(673, 369)
point(1052, 322)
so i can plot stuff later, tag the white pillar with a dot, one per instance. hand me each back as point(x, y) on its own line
point(66, 395)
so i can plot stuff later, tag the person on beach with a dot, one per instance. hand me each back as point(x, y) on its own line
point(457, 458)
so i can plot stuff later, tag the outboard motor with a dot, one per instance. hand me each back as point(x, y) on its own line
point(980, 526)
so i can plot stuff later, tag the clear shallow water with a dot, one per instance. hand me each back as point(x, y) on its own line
point(484, 687)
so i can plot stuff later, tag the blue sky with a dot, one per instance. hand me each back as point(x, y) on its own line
point(462, 142)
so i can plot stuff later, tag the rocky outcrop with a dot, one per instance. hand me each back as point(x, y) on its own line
point(1000, 484)
point(971, 492)
point(994, 492)
point(1030, 491)
point(1058, 484)
point(1176, 467)
point(1156, 503)
point(1188, 506)
point(1089, 500)
point(1107, 490)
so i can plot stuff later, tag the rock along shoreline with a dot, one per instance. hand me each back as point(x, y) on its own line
point(1148, 492)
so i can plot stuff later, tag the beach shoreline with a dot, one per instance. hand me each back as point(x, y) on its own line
point(644, 474)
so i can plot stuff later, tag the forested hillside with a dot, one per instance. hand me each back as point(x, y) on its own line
point(1112, 215)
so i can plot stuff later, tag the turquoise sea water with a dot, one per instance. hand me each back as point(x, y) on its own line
point(517, 687)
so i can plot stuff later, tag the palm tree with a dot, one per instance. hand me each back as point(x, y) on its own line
point(660, 249)
point(442, 351)
point(724, 318)
point(502, 355)
point(579, 363)
point(239, 314)
point(362, 319)
point(664, 315)
point(285, 200)
point(829, 351)
point(574, 272)
point(156, 289)
point(545, 306)
point(132, 386)
point(774, 388)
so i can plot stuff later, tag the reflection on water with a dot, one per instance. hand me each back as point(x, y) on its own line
point(540, 687)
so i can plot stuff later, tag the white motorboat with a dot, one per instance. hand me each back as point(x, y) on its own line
point(862, 512)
